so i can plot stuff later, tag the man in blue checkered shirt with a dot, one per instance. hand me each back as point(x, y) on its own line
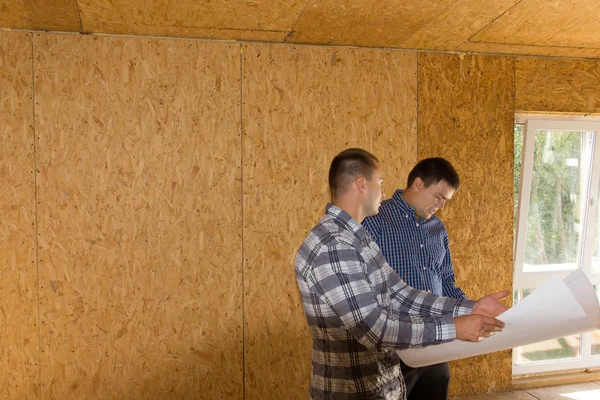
point(415, 243)
point(358, 310)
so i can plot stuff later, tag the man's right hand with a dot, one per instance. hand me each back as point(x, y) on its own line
point(474, 328)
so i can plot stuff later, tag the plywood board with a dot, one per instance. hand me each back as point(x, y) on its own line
point(557, 85)
point(139, 218)
point(19, 333)
point(303, 105)
point(364, 23)
point(230, 19)
point(466, 114)
point(457, 23)
point(530, 27)
point(48, 15)
point(567, 23)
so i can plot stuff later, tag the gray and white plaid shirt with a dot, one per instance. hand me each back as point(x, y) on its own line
point(359, 312)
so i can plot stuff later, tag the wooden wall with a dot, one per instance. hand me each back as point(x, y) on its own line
point(466, 114)
point(139, 192)
point(564, 86)
point(19, 333)
point(302, 106)
point(171, 182)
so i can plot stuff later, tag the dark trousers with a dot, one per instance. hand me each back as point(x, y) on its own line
point(426, 383)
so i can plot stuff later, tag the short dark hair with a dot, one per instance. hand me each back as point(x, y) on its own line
point(432, 171)
point(347, 166)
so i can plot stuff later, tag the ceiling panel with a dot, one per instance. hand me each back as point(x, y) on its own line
point(188, 16)
point(457, 23)
point(562, 28)
point(377, 23)
point(13, 14)
point(48, 15)
point(565, 23)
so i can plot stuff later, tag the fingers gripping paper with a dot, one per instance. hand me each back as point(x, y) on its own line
point(558, 308)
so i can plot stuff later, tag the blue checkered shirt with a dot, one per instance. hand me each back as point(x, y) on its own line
point(418, 250)
point(359, 312)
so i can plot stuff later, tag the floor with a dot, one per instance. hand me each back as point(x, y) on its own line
point(578, 391)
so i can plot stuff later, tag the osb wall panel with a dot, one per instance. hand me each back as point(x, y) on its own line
point(466, 113)
point(19, 338)
point(139, 218)
point(557, 85)
point(301, 106)
point(51, 15)
point(227, 19)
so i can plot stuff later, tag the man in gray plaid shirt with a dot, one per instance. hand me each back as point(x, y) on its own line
point(358, 309)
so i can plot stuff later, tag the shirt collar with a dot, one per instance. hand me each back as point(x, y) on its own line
point(346, 220)
point(397, 197)
point(405, 207)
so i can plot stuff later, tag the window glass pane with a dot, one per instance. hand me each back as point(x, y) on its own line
point(596, 334)
point(596, 249)
point(559, 187)
point(565, 348)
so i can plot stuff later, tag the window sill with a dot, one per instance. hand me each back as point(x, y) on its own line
point(556, 378)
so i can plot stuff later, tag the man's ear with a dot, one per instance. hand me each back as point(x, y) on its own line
point(361, 184)
point(418, 184)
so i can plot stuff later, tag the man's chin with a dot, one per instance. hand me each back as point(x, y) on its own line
point(430, 214)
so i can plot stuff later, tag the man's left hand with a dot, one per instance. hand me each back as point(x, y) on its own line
point(490, 306)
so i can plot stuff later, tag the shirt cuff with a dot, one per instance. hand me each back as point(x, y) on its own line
point(446, 330)
point(463, 307)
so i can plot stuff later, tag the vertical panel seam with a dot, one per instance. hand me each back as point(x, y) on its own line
point(242, 133)
point(37, 247)
point(417, 98)
point(514, 89)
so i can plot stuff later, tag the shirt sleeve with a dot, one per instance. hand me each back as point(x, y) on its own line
point(408, 300)
point(339, 279)
point(449, 287)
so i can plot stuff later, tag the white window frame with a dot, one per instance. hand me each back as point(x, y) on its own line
point(532, 280)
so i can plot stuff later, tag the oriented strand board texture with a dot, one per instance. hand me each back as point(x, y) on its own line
point(19, 337)
point(139, 218)
point(364, 22)
point(456, 24)
point(557, 85)
point(466, 114)
point(408, 24)
point(303, 105)
point(530, 27)
point(48, 15)
point(565, 23)
point(229, 19)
